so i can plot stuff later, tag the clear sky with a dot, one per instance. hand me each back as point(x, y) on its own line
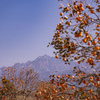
point(26, 28)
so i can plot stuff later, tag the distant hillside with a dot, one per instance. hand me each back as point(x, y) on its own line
point(46, 66)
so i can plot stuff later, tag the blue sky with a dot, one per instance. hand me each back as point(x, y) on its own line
point(26, 28)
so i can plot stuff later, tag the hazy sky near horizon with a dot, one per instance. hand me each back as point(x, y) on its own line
point(26, 28)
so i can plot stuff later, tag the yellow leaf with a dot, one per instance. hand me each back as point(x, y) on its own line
point(61, 5)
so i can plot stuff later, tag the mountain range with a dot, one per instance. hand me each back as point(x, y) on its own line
point(46, 66)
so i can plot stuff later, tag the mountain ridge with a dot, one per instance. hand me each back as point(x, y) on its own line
point(43, 65)
point(46, 66)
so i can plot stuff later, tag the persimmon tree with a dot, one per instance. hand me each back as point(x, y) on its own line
point(7, 89)
point(77, 37)
point(18, 82)
point(30, 82)
point(46, 90)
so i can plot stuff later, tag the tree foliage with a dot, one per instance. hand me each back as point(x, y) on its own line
point(77, 37)
point(16, 83)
